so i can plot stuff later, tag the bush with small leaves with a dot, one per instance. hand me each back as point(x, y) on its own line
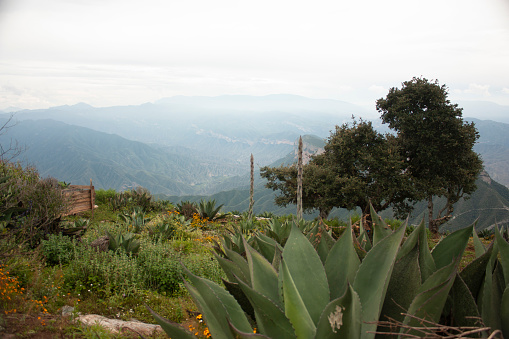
point(58, 249)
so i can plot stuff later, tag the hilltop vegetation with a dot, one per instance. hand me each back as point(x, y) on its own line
point(134, 251)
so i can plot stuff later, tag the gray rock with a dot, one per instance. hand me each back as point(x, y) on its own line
point(116, 326)
point(67, 311)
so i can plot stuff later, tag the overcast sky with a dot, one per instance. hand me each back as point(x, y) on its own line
point(117, 52)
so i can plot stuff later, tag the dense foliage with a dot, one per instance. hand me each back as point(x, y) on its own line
point(436, 144)
point(30, 207)
point(430, 156)
point(359, 166)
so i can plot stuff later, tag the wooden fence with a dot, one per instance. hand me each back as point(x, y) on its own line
point(82, 198)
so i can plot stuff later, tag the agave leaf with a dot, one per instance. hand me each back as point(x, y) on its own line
point(237, 292)
point(133, 246)
point(295, 307)
point(373, 277)
point(503, 248)
point(426, 260)
point(278, 256)
point(363, 238)
point(410, 242)
point(403, 286)
point(230, 268)
point(491, 296)
point(504, 312)
point(342, 264)
point(479, 247)
point(321, 241)
point(264, 278)
point(380, 228)
point(307, 272)
point(451, 247)
point(241, 335)
point(464, 308)
point(473, 273)
point(266, 246)
point(431, 297)
point(217, 306)
point(240, 262)
point(270, 317)
point(173, 330)
point(341, 318)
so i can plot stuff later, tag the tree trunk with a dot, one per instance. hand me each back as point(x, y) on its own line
point(432, 224)
point(251, 189)
point(324, 213)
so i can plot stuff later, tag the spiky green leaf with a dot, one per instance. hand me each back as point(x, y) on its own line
point(270, 317)
point(341, 318)
point(403, 286)
point(217, 306)
point(342, 264)
point(451, 247)
point(373, 278)
point(264, 278)
point(295, 307)
point(503, 248)
point(173, 330)
point(380, 228)
point(464, 308)
point(266, 246)
point(504, 312)
point(473, 273)
point(431, 297)
point(479, 247)
point(307, 272)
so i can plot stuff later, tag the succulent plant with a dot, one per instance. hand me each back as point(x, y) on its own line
point(317, 287)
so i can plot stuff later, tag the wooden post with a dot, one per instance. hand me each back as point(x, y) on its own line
point(299, 181)
point(251, 190)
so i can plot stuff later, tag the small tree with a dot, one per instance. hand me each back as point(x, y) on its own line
point(437, 144)
point(14, 149)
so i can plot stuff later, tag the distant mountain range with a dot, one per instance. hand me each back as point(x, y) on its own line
point(200, 146)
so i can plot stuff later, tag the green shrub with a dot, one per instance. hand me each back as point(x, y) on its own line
point(58, 249)
point(103, 196)
point(103, 273)
point(30, 206)
point(161, 266)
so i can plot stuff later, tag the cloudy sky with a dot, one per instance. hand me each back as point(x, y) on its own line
point(117, 52)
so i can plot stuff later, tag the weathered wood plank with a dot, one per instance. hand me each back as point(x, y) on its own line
point(81, 198)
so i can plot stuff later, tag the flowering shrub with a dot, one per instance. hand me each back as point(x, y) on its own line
point(9, 291)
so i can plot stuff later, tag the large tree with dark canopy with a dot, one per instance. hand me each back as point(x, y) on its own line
point(437, 144)
point(359, 166)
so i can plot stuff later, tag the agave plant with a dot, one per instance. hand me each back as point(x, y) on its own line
point(208, 209)
point(127, 242)
point(317, 287)
point(135, 219)
point(187, 209)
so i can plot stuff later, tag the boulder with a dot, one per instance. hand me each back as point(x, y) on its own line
point(119, 326)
